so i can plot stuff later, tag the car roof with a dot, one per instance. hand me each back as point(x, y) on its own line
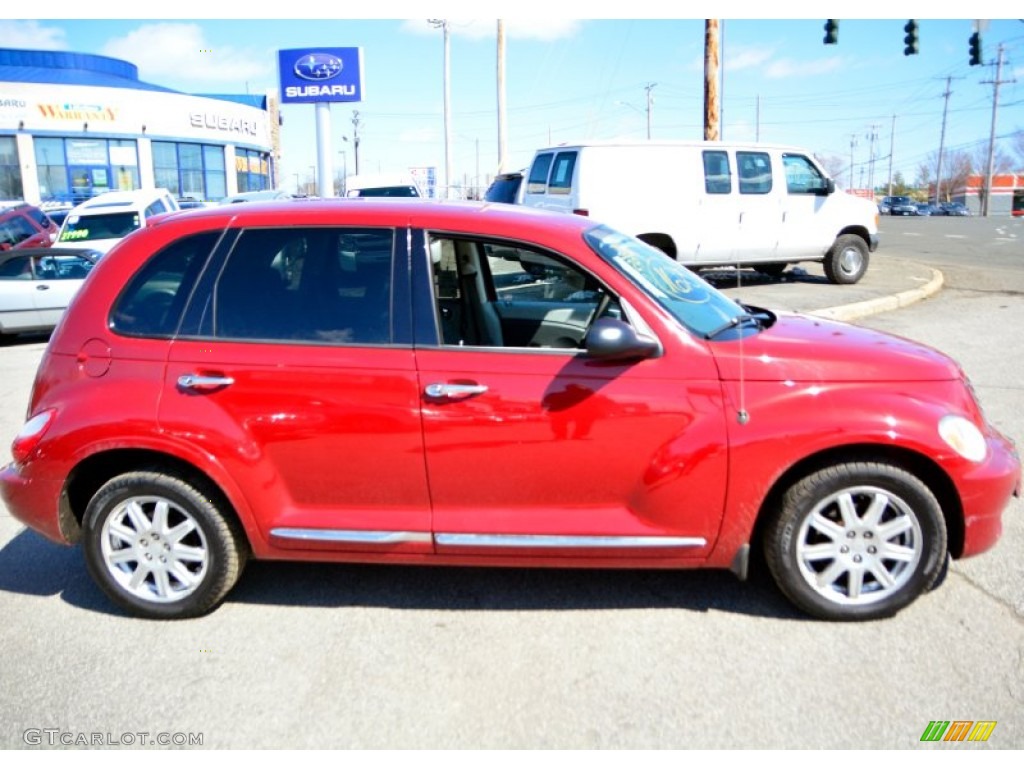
point(497, 219)
point(128, 199)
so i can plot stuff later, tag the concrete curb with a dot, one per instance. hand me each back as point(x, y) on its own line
point(847, 312)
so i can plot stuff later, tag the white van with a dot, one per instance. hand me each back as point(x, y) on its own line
point(102, 221)
point(712, 203)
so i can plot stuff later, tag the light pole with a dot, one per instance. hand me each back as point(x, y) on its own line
point(313, 169)
point(443, 25)
point(344, 171)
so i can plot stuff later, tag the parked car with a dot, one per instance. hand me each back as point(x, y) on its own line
point(901, 205)
point(36, 286)
point(381, 185)
point(24, 226)
point(953, 209)
point(883, 207)
point(506, 188)
point(259, 196)
point(925, 209)
point(102, 221)
point(474, 384)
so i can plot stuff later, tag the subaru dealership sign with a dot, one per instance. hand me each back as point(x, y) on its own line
point(310, 75)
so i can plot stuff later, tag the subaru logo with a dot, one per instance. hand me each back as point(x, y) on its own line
point(318, 66)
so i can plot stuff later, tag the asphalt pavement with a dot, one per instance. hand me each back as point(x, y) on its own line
point(891, 282)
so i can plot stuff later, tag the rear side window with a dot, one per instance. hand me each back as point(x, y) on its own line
point(155, 208)
point(717, 177)
point(561, 174)
point(320, 285)
point(152, 302)
point(755, 172)
point(538, 180)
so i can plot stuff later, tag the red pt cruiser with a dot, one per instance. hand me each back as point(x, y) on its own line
point(412, 382)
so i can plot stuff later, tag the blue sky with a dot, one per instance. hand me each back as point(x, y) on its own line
point(574, 78)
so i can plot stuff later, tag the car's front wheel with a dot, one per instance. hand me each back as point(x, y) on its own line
point(160, 547)
point(856, 541)
point(847, 260)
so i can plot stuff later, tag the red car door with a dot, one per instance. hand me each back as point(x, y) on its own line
point(533, 449)
point(293, 366)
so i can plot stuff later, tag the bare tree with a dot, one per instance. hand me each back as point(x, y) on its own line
point(833, 165)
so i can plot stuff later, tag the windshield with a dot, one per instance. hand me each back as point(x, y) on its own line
point(100, 226)
point(693, 302)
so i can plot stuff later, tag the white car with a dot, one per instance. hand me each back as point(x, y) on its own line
point(37, 284)
point(101, 222)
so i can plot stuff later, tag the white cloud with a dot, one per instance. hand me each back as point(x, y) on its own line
point(482, 29)
point(32, 35)
point(177, 54)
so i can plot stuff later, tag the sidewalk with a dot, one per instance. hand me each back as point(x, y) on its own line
point(890, 283)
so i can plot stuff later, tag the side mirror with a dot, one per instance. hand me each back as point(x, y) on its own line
point(614, 341)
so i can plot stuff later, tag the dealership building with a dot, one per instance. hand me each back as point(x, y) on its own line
point(75, 125)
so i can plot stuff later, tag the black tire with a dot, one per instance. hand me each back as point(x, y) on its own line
point(771, 270)
point(847, 260)
point(828, 542)
point(160, 547)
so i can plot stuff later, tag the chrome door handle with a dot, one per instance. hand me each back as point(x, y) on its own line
point(42, 287)
point(453, 391)
point(191, 381)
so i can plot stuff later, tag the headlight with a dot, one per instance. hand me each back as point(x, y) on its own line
point(963, 437)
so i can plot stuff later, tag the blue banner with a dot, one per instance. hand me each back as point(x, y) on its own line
point(309, 75)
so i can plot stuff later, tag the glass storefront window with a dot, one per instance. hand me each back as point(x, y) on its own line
point(10, 171)
point(190, 170)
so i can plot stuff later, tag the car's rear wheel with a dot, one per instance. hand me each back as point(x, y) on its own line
point(160, 547)
point(847, 260)
point(856, 541)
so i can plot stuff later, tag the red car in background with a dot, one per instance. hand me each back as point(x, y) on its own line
point(474, 384)
point(25, 226)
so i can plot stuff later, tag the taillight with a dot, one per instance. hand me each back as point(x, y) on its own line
point(31, 434)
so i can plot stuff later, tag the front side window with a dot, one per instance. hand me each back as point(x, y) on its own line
point(152, 302)
point(802, 176)
point(63, 267)
point(497, 294)
point(755, 172)
point(318, 285)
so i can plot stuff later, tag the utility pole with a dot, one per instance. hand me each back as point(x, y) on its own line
point(650, 100)
point(942, 142)
point(712, 130)
point(853, 143)
point(443, 24)
point(355, 136)
point(502, 138)
point(992, 134)
point(872, 136)
point(892, 145)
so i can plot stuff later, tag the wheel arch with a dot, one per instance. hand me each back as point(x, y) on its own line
point(90, 474)
point(926, 470)
point(661, 241)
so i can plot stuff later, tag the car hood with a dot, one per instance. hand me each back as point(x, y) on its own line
point(804, 348)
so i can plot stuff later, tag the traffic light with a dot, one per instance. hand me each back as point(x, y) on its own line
point(831, 32)
point(975, 49)
point(910, 41)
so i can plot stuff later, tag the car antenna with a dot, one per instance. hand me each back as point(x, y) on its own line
point(742, 416)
